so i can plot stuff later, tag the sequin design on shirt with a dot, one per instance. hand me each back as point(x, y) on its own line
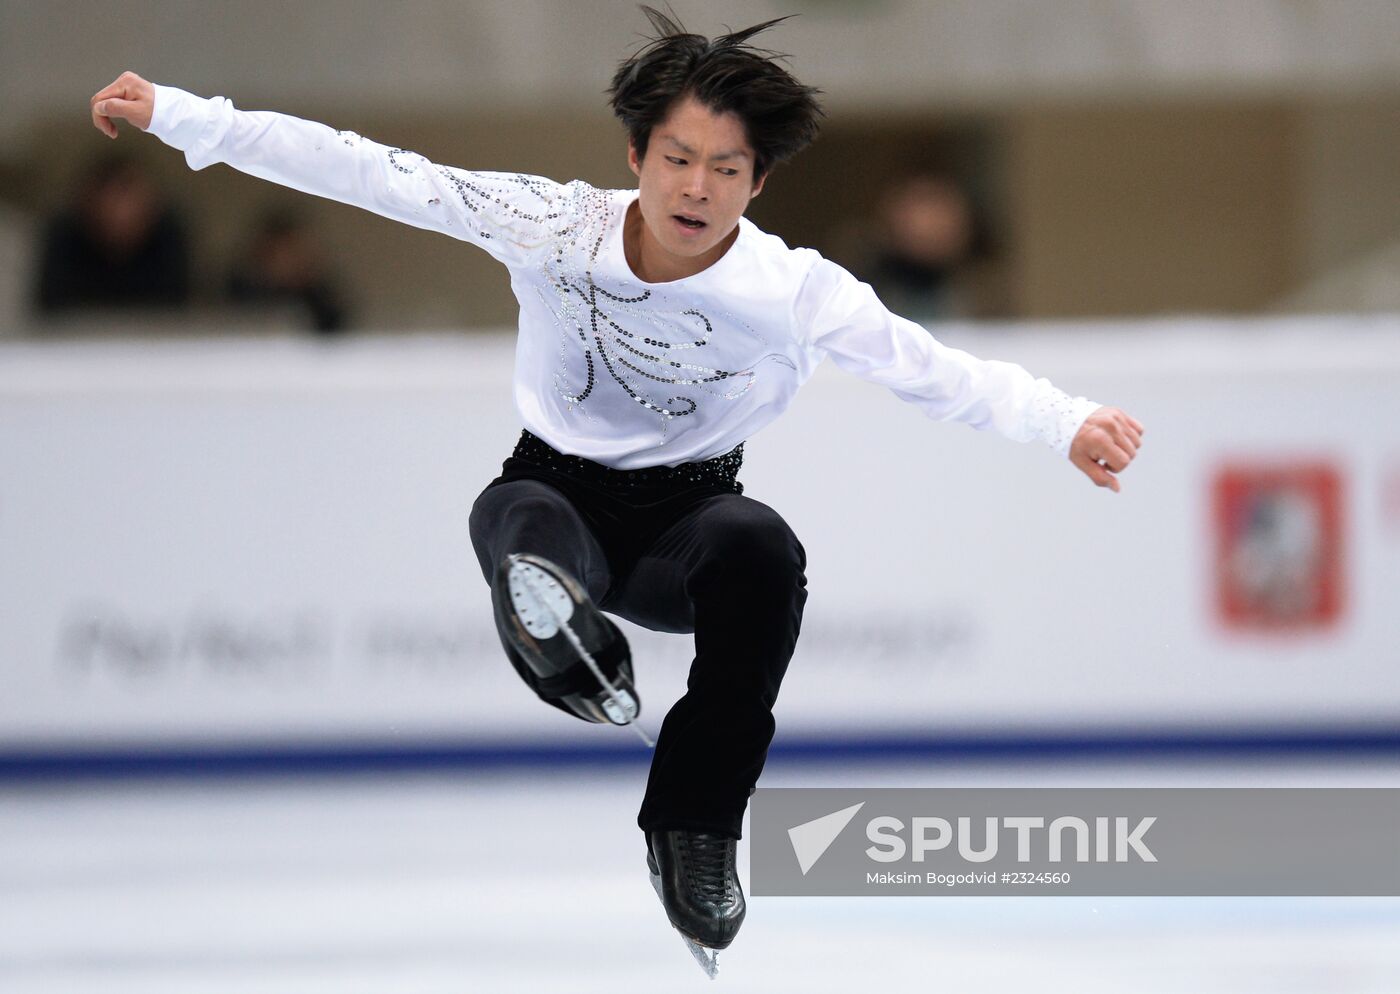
point(515, 208)
point(643, 341)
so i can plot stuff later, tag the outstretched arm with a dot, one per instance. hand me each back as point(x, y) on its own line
point(843, 317)
point(508, 214)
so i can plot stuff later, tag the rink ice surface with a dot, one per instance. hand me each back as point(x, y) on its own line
point(535, 880)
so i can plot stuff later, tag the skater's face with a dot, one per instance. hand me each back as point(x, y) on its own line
point(694, 183)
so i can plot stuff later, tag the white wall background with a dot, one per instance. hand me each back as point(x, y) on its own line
point(261, 540)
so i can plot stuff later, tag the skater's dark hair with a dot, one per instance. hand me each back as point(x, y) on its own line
point(725, 74)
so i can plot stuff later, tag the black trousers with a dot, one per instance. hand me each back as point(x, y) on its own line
point(672, 555)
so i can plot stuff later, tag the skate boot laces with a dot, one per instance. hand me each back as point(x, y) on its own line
point(709, 865)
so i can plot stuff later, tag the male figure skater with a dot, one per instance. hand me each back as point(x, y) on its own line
point(658, 330)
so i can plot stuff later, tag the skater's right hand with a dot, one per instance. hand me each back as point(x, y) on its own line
point(127, 98)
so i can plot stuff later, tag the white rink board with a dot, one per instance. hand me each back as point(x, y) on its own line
point(266, 540)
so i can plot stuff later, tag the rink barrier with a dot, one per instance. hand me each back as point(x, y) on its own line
point(294, 759)
point(232, 550)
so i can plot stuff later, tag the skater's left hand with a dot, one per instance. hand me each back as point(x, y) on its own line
point(1107, 441)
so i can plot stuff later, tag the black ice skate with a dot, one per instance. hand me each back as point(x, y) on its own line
point(580, 660)
point(695, 877)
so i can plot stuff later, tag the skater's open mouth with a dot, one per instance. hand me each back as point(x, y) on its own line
point(690, 222)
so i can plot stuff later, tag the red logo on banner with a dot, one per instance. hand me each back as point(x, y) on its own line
point(1278, 547)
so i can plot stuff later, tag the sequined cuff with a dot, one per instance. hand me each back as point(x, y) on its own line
point(1056, 417)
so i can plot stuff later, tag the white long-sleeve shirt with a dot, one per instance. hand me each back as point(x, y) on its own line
point(627, 373)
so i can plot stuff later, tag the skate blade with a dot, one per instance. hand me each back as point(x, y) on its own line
point(531, 586)
point(707, 958)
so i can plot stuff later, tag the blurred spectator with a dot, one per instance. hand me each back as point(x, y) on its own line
point(284, 265)
point(925, 234)
point(118, 245)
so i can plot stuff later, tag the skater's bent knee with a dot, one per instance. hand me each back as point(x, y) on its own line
point(763, 546)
